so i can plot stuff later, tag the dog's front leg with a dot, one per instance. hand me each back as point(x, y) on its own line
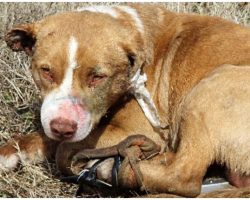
point(99, 138)
point(32, 148)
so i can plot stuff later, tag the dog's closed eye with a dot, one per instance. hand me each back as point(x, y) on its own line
point(95, 79)
point(46, 73)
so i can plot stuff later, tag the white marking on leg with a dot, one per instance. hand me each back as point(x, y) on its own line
point(133, 13)
point(8, 162)
point(101, 9)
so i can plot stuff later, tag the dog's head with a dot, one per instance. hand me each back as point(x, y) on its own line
point(82, 62)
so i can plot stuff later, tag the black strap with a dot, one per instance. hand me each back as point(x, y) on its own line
point(116, 166)
point(88, 176)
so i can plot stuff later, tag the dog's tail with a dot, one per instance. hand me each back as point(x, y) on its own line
point(228, 193)
point(231, 192)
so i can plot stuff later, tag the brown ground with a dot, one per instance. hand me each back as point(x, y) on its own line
point(19, 98)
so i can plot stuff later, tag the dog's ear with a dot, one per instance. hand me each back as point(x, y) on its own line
point(22, 38)
point(132, 61)
point(136, 59)
point(131, 58)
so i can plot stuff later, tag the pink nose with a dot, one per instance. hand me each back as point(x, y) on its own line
point(63, 128)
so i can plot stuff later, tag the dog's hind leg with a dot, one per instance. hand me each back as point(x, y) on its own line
point(183, 173)
point(32, 148)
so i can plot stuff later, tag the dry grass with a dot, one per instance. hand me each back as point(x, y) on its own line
point(19, 98)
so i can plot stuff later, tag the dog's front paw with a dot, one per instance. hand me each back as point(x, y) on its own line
point(9, 159)
point(8, 162)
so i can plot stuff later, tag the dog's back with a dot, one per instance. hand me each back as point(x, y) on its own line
point(220, 104)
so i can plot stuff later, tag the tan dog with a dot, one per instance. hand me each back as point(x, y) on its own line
point(86, 62)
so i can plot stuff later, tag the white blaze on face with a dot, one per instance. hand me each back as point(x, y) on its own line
point(60, 104)
point(68, 78)
point(8, 162)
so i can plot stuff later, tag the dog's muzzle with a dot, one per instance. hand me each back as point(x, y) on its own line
point(65, 118)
